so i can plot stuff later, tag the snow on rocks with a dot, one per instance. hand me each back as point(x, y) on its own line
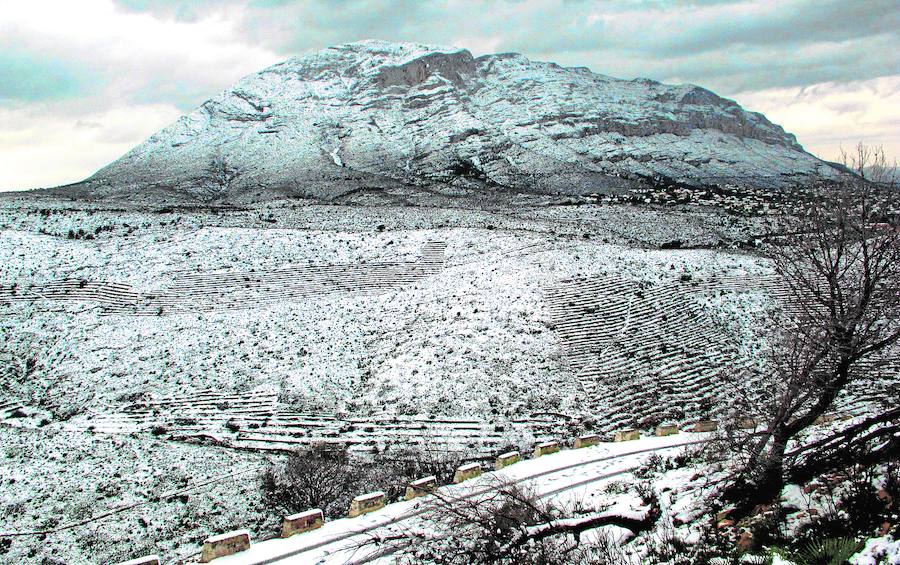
point(883, 550)
point(374, 114)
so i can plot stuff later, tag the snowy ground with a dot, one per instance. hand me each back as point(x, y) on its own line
point(165, 496)
point(569, 477)
point(470, 353)
point(609, 478)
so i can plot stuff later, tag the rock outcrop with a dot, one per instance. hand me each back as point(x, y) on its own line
point(375, 115)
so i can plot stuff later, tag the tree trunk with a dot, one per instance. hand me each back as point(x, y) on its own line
point(770, 478)
point(762, 478)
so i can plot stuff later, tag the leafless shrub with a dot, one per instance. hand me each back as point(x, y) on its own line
point(328, 476)
point(506, 524)
point(392, 470)
point(319, 477)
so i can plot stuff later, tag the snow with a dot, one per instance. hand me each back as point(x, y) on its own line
point(878, 551)
point(306, 514)
point(563, 474)
point(369, 496)
point(362, 114)
point(464, 359)
point(476, 328)
point(227, 536)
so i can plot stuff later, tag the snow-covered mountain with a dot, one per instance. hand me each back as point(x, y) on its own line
point(374, 114)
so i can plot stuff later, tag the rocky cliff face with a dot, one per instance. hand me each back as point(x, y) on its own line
point(375, 115)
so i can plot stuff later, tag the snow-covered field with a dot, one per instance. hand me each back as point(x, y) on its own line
point(252, 331)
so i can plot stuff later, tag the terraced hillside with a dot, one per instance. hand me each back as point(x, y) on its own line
point(648, 353)
point(642, 353)
point(216, 342)
point(256, 420)
point(235, 289)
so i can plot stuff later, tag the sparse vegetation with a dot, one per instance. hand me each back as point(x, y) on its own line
point(509, 525)
point(406, 357)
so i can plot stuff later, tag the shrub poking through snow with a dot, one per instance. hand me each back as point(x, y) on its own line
point(828, 551)
point(320, 477)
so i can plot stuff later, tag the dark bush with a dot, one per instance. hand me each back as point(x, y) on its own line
point(329, 477)
point(318, 477)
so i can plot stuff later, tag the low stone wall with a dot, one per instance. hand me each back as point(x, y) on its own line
point(586, 441)
point(302, 522)
point(747, 423)
point(666, 430)
point(627, 435)
point(421, 487)
point(546, 448)
point(365, 503)
point(706, 426)
point(224, 544)
point(506, 459)
point(466, 472)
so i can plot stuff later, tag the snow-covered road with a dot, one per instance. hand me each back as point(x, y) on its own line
point(565, 474)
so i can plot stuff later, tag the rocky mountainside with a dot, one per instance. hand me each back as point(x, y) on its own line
point(377, 115)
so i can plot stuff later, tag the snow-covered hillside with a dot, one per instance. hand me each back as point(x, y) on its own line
point(173, 347)
point(379, 116)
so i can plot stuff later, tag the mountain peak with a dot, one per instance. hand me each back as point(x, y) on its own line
point(393, 49)
point(375, 114)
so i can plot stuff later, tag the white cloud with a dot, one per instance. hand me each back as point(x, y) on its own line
point(136, 52)
point(48, 145)
point(144, 67)
point(830, 115)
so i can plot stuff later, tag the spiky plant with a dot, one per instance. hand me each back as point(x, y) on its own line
point(831, 551)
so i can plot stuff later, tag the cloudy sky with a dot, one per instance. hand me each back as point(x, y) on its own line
point(81, 82)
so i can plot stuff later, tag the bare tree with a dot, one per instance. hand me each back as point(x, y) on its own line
point(321, 476)
point(841, 267)
point(505, 524)
point(871, 164)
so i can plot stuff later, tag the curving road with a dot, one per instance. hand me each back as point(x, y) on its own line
point(337, 542)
